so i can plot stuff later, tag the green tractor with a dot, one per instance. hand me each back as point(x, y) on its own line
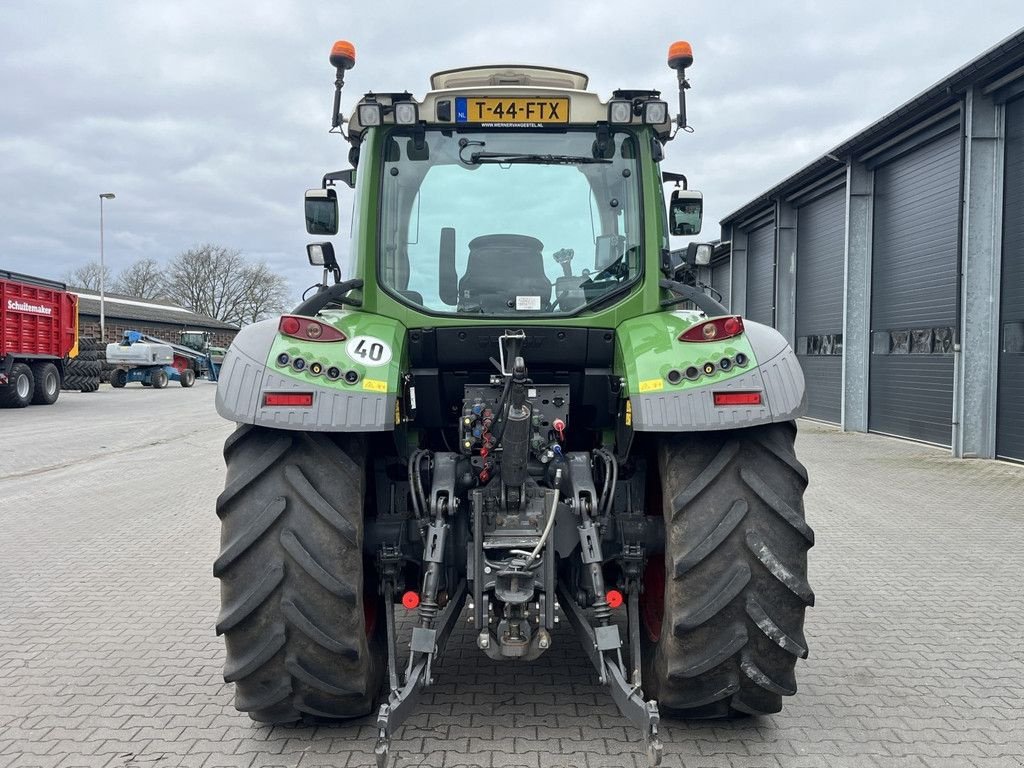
point(511, 404)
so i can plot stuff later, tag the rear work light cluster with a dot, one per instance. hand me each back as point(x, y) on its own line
point(307, 329)
point(715, 329)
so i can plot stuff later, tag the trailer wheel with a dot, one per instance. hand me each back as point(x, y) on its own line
point(17, 393)
point(118, 378)
point(47, 384)
point(159, 379)
point(187, 377)
point(734, 574)
point(298, 604)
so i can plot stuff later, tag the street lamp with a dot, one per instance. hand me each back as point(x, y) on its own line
point(103, 323)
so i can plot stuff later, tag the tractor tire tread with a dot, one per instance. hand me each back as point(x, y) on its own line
point(292, 577)
point(736, 585)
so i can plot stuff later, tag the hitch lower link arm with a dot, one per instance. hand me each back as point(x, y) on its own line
point(603, 645)
point(429, 638)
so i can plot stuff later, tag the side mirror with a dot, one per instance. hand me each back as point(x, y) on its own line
point(685, 212)
point(322, 255)
point(321, 212)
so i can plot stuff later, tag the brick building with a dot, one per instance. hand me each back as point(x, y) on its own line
point(154, 317)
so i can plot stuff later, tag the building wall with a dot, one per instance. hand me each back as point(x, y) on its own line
point(920, 273)
point(89, 326)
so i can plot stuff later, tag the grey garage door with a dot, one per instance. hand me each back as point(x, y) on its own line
point(821, 228)
point(1010, 406)
point(761, 274)
point(720, 277)
point(913, 292)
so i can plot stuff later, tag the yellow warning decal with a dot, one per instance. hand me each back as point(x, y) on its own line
point(652, 385)
point(629, 413)
point(375, 385)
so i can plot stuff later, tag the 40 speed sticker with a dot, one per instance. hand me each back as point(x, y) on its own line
point(369, 351)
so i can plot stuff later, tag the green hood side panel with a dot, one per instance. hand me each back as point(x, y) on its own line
point(252, 369)
point(373, 349)
point(647, 349)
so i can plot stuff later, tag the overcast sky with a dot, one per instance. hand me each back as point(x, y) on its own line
point(209, 119)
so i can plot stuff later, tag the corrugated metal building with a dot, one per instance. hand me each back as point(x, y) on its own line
point(894, 264)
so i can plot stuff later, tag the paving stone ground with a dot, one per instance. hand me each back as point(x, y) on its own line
point(107, 605)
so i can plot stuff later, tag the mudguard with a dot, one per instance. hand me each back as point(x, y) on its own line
point(262, 360)
point(649, 356)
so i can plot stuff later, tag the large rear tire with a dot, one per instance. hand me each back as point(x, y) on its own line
point(298, 608)
point(47, 384)
point(734, 574)
point(17, 393)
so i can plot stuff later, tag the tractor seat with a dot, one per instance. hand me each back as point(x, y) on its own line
point(502, 268)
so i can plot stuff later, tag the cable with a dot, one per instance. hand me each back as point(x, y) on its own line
point(607, 479)
point(612, 464)
point(413, 469)
point(425, 454)
point(500, 412)
point(551, 520)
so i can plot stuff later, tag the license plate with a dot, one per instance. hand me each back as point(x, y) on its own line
point(511, 111)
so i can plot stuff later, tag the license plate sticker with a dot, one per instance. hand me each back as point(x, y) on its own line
point(488, 110)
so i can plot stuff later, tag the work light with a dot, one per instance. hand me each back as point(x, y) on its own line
point(370, 115)
point(656, 112)
point(406, 113)
point(620, 111)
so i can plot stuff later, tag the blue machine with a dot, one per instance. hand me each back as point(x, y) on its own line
point(155, 362)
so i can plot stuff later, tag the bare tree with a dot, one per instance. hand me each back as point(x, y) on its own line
point(219, 282)
point(267, 293)
point(88, 276)
point(144, 278)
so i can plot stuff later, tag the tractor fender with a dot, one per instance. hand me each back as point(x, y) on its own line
point(255, 366)
point(649, 350)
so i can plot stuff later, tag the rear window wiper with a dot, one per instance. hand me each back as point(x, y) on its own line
point(477, 158)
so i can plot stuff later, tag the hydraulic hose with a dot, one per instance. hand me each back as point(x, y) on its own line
point(547, 527)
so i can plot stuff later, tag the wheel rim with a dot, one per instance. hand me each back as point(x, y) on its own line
point(22, 386)
point(51, 383)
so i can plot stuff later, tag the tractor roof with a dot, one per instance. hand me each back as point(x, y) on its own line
point(456, 93)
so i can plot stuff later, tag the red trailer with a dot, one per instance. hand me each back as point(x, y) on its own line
point(38, 330)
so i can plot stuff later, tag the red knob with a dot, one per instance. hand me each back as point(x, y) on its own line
point(411, 600)
point(614, 598)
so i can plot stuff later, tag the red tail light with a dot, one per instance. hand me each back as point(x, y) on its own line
point(277, 399)
point(737, 398)
point(715, 329)
point(308, 329)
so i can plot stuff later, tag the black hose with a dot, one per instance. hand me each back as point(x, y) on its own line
point(333, 295)
point(703, 302)
point(419, 478)
point(612, 465)
point(607, 479)
point(413, 470)
point(500, 412)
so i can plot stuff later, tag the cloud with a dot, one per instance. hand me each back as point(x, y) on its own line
point(208, 120)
